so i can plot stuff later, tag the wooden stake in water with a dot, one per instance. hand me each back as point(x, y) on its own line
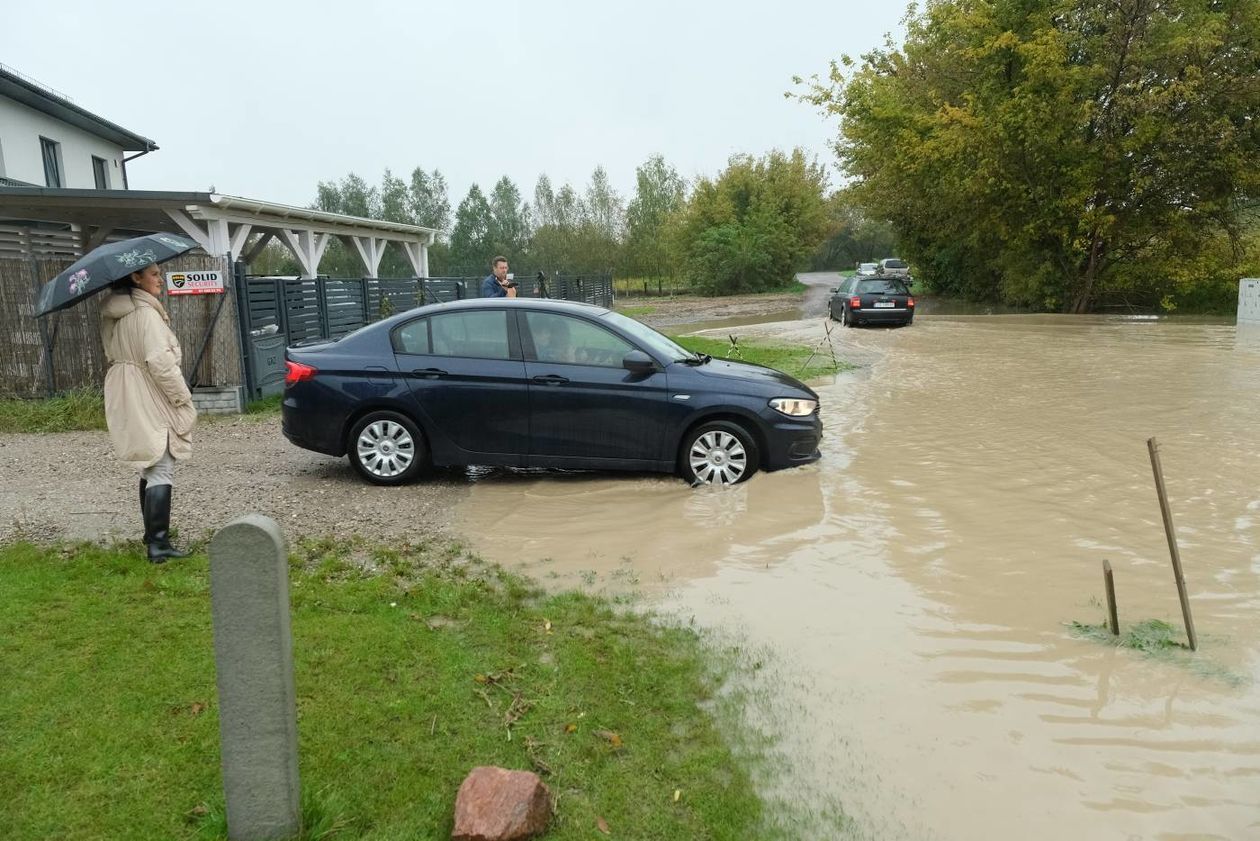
point(1113, 618)
point(1172, 542)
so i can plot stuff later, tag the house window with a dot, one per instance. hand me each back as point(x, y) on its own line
point(100, 169)
point(52, 161)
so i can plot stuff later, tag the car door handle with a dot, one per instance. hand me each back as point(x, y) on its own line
point(429, 373)
point(551, 379)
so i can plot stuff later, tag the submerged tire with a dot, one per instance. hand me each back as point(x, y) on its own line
point(718, 452)
point(386, 448)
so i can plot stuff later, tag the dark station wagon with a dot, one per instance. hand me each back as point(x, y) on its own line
point(871, 300)
point(540, 383)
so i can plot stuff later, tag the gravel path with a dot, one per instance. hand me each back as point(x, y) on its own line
point(70, 486)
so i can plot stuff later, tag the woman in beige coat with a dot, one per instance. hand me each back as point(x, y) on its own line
point(148, 406)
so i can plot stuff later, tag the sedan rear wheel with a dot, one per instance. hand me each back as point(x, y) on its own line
point(386, 448)
point(720, 453)
point(849, 320)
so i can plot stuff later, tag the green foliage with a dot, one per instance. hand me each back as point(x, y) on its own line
point(406, 678)
point(755, 225)
point(74, 410)
point(421, 201)
point(1060, 153)
point(660, 195)
point(854, 237)
point(470, 238)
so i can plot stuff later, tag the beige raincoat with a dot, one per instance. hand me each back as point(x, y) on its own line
point(148, 406)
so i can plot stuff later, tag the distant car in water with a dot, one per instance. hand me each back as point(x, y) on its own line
point(540, 383)
point(871, 300)
point(867, 269)
point(892, 267)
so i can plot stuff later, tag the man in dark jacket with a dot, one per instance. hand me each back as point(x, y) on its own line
point(496, 284)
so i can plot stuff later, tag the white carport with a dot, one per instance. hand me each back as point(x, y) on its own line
point(43, 220)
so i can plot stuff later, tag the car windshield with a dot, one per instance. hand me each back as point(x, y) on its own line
point(655, 343)
point(882, 287)
point(868, 268)
point(894, 264)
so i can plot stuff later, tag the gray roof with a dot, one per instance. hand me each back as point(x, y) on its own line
point(30, 93)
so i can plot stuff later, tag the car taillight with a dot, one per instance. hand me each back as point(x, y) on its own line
point(296, 372)
point(909, 302)
point(855, 303)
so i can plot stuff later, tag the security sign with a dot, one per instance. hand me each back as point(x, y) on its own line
point(194, 283)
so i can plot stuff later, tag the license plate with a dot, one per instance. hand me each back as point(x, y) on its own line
point(887, 304)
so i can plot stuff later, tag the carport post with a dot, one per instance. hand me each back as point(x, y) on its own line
point(253, 658)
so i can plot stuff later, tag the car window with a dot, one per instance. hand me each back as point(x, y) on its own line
point(882, 286)
point(412, 337)
point(563, 339)
point(894, 264)
point(661, 346)
point(479, 334)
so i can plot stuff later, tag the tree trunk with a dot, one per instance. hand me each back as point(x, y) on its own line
point(1085, 288)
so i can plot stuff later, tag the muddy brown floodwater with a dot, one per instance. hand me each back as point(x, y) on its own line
point(910, 593)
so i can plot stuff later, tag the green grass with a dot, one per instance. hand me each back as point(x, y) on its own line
point(790, 359)
point(407, 677)
point(265, 406)
point(75, 410)
point(1161, 641)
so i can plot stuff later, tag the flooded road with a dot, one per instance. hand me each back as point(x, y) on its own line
point(910, 592)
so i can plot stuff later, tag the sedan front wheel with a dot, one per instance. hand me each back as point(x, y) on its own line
point(386, 448)
point(719, 452)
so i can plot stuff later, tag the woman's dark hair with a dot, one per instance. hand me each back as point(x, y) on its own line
point(122, 286)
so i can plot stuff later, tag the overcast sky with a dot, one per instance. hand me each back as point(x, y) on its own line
point(265, 99)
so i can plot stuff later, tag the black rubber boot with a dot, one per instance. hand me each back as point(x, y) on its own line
point(157, 524)
point(143, 519)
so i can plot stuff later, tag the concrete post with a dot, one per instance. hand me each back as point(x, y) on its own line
point(253, 653)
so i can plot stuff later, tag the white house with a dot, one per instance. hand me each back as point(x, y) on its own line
point(48, 141)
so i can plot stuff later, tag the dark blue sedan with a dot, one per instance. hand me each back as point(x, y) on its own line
point(540, 383)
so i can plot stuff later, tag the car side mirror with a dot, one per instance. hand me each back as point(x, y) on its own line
point(835, 290)
point(638, 362)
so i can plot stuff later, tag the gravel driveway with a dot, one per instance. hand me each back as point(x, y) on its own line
point(69, 485)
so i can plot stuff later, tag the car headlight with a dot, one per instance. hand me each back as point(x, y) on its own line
point(794, 406)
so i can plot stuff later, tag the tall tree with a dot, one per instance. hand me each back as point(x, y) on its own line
point(509, 220)
point(753, 227)
point(1058, 152)
point(428, 202)
point(471, 246)
point(660, 193)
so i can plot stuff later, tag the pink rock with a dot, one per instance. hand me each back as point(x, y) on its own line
point(495, 804)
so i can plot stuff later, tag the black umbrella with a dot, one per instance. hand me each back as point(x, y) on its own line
point(94, 272)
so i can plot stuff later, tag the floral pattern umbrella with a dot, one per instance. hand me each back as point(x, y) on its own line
point(105, 265)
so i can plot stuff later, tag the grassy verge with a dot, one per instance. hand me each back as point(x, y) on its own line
point(83, 409)
point(413, 665)
point(790, 359)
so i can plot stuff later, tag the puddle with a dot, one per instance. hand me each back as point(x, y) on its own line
point(913, 586)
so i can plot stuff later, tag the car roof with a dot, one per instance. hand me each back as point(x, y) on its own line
point(542, 304)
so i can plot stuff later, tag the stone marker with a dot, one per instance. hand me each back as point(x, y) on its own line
point(253, 655)
point(495, 804)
